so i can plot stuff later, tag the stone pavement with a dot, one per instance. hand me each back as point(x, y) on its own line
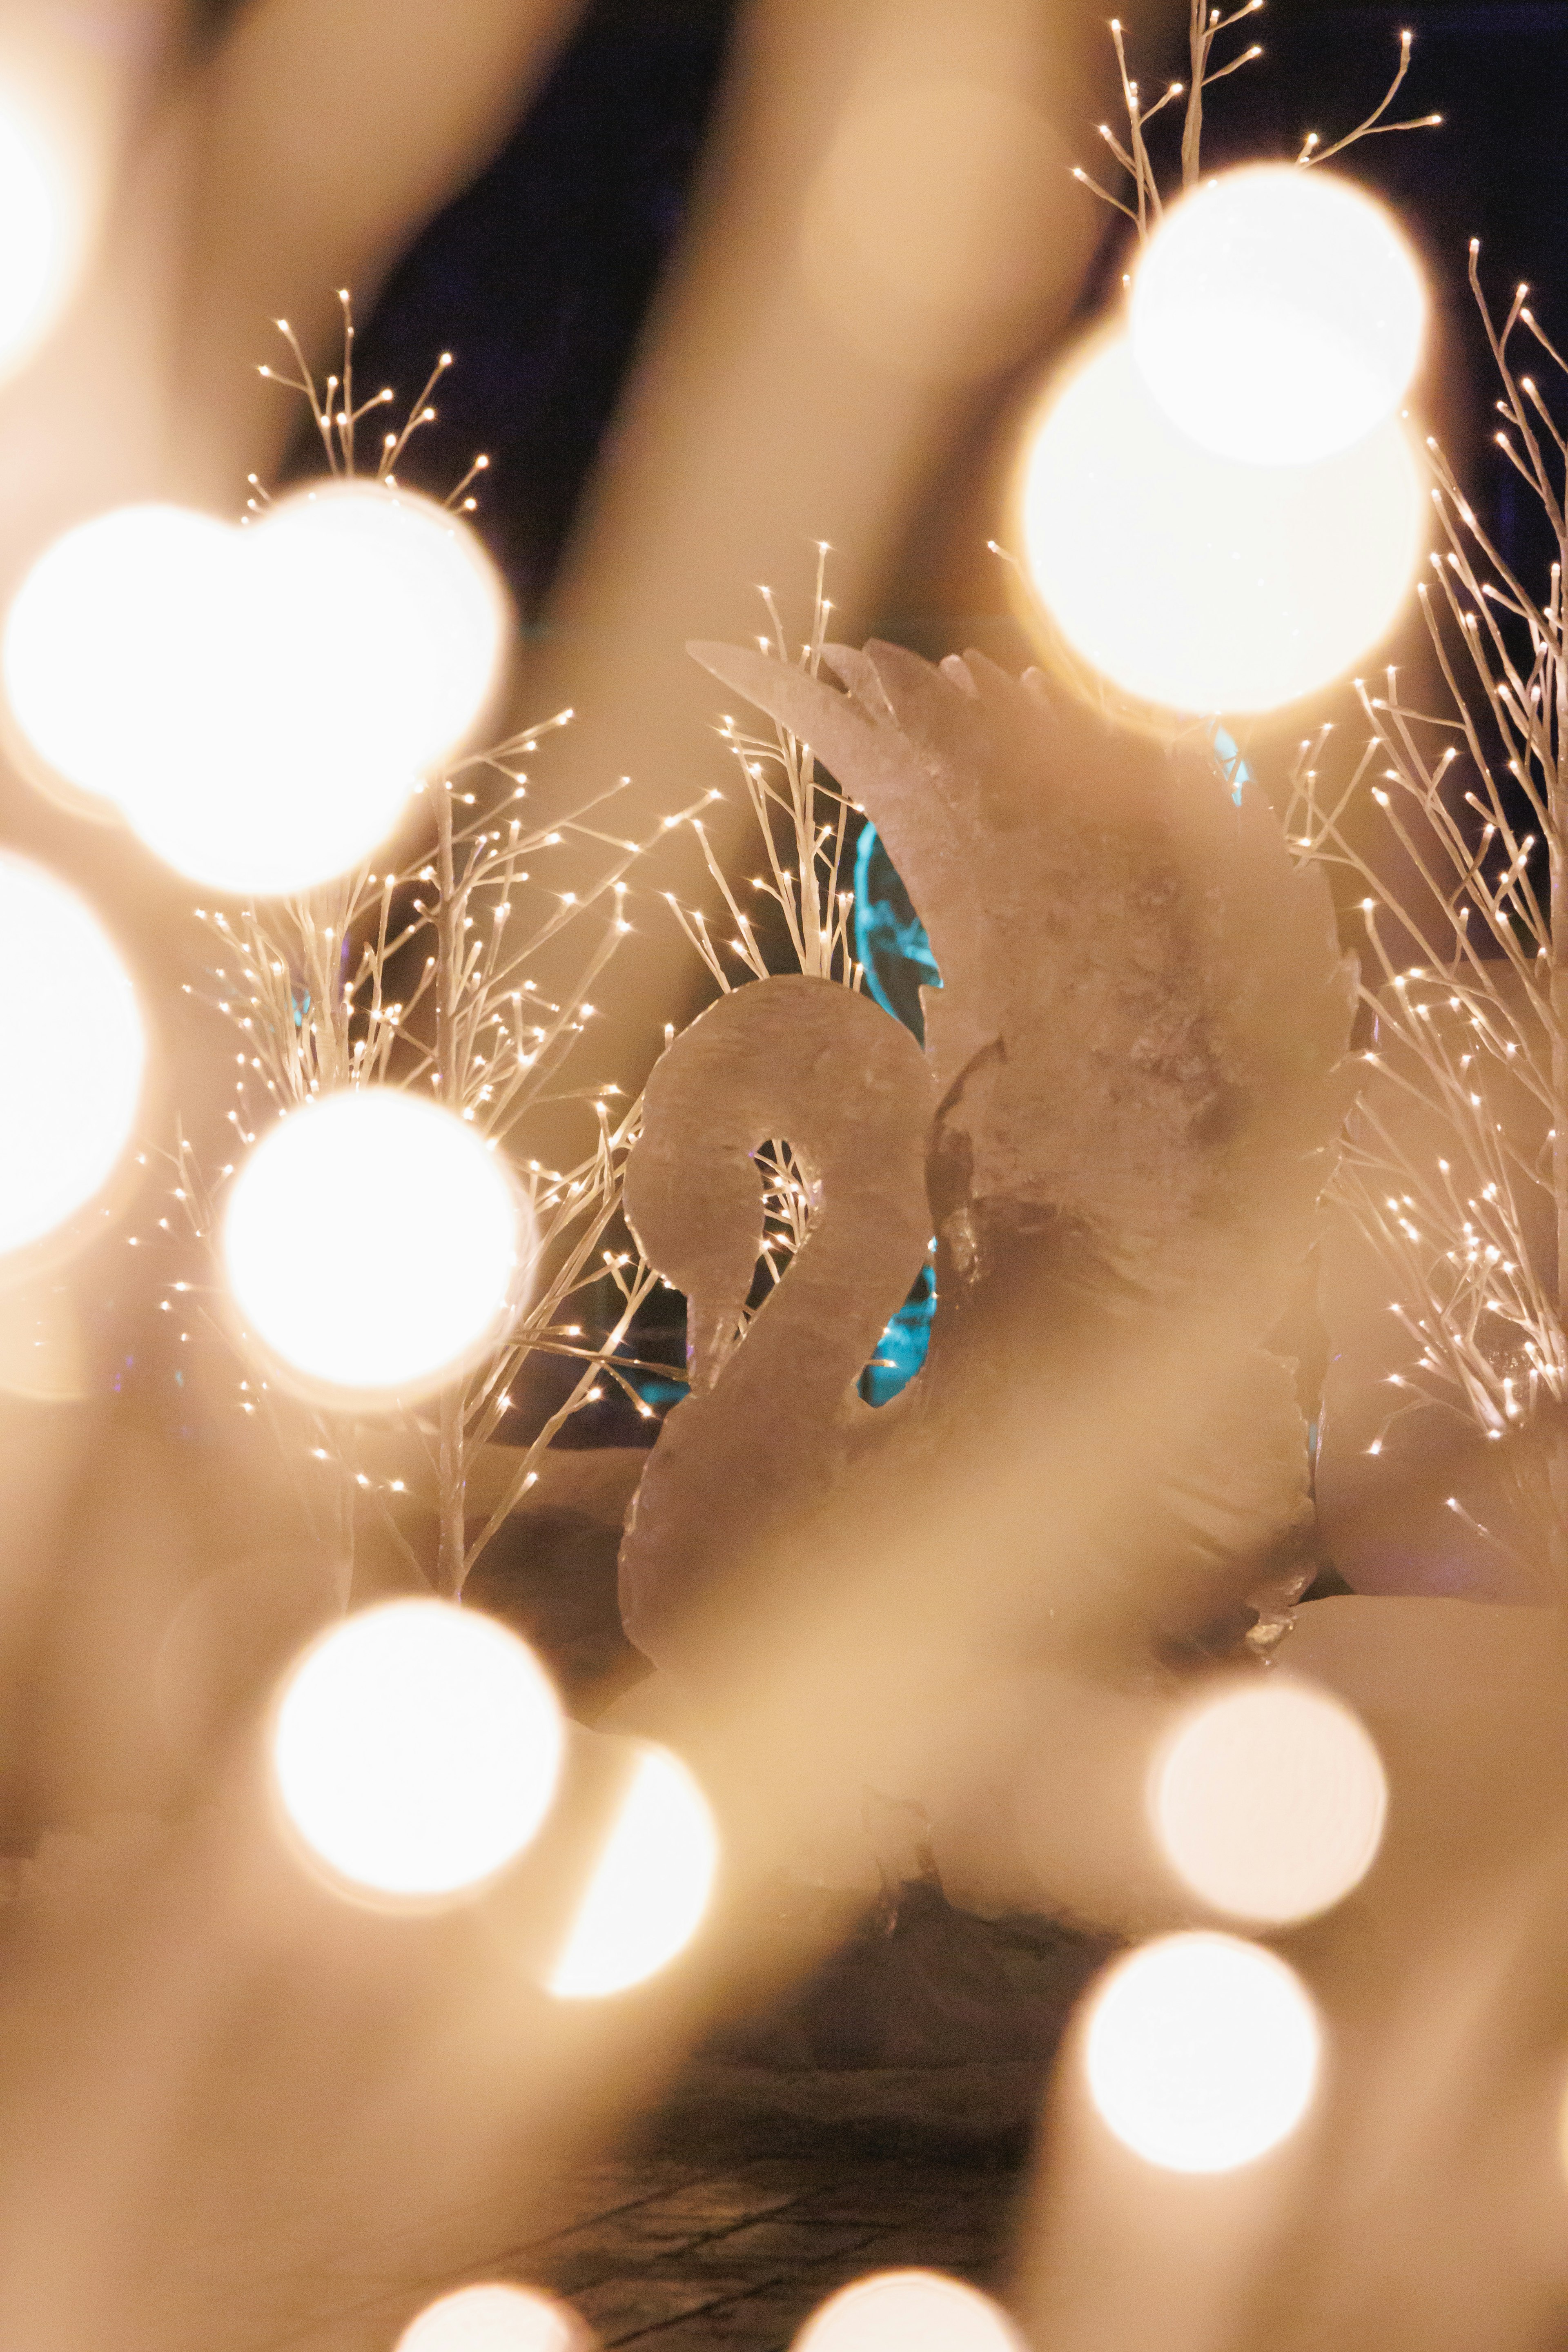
point(679, 2256)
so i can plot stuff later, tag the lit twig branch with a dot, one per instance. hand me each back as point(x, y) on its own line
point(786, 1206)
point(1206, 26)
point(802, 825)
point(1314, 152)
point(633, 1281)
point(310, 1448)
point(332, 403)
point(1133, 157)
point(1470, 995)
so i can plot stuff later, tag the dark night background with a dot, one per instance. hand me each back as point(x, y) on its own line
point(538, 276)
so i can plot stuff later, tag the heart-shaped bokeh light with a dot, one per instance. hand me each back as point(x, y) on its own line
point(259, 702)
point(75, 1054)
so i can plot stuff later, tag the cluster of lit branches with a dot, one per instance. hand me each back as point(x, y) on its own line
point(424, 975)
point(419, 978)
point(1207, 26)
point(1471, 1035)
point(337, 414)
point(801, 821)
point(313, 982)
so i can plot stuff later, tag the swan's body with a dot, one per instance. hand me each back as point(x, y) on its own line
point(1132, 1075)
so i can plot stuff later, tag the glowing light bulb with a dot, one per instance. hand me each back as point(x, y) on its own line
point(1269, 1801)
point(46, 206)
point(495, 2318)
point(1202, 2052)
point(417, 1746)
point(908, 2311)
point(1197, 583)
point(1276, 314)
point(75, 1054)
point(650, 1885)
point(260, 704)
point(373, 1245)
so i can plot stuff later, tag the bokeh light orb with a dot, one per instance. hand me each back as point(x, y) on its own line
point(374, 1245)
point(99, 701)
point(397, 623)
point(495, 2318)
point(1202, 2052)
point(260, 704)
point(1198, 583)
point(76, 1054)
point(649, 1886)
point(45, 206)
point(1269, 1801)
point(415, 1748)
point(908, 2311)
point(1276, 314)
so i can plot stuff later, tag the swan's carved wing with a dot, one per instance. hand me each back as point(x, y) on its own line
point(1144, 1018)
point(1140, 1046)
